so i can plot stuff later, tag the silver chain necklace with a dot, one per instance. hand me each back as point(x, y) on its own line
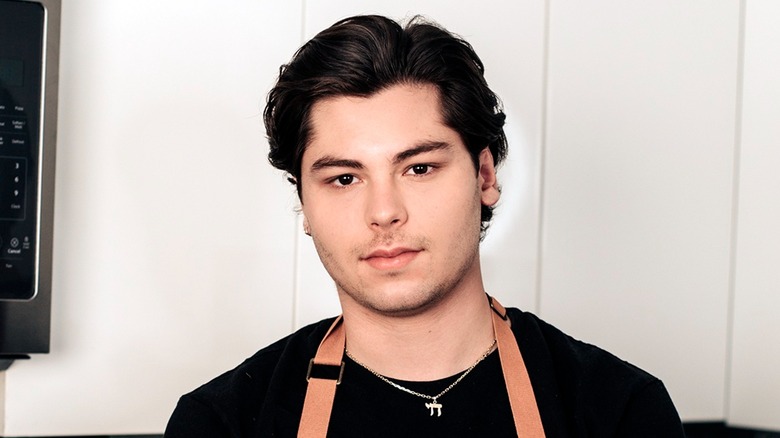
point(434, 404)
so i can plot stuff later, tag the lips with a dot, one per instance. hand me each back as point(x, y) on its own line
point(391, 258)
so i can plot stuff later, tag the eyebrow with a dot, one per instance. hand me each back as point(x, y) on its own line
point(421, 148)
point(329, 161)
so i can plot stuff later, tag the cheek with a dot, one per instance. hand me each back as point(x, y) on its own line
point(332, 223)
point(455, 211)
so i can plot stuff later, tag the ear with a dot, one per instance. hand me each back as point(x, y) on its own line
point(306, 228)
point(488, 181)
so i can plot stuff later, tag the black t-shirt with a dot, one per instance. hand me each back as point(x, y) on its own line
point(581, 391)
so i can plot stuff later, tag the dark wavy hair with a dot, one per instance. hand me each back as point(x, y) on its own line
point(362, 55)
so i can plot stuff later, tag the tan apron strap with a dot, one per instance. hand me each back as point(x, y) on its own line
point(322, 390)
point(518, 383)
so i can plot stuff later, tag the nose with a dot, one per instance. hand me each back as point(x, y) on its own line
point(385, 206)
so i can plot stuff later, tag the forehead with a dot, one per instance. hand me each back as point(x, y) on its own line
point(388, 121)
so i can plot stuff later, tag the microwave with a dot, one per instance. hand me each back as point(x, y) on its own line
point(29, 58)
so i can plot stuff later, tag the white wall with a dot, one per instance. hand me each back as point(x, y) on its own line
point(178, 254)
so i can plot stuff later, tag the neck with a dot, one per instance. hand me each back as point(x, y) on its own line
point(438, 342)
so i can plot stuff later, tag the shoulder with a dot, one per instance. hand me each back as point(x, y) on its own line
point(255, 375)
point(573, 359)
point(237, 399)
point(589, 388)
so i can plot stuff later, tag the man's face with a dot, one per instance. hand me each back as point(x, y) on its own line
point(392, 199)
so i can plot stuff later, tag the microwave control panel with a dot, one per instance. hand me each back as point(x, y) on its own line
point(22, 27)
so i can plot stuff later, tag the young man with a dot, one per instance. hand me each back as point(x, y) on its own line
point(392, 137)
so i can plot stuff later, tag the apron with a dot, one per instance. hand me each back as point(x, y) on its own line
point(322, 390)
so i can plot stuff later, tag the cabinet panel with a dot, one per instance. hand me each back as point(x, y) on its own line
point(638, 186)
point(755, 381)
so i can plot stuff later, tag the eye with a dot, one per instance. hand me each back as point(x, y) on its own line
point(344, 180)
point(420, 169)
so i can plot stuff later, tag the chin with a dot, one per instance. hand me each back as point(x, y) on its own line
point(398, 303)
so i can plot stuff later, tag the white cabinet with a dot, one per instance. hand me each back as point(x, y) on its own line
point(755, 371)
point(638, 186)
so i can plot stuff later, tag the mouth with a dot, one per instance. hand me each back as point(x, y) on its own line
point(391, 259)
